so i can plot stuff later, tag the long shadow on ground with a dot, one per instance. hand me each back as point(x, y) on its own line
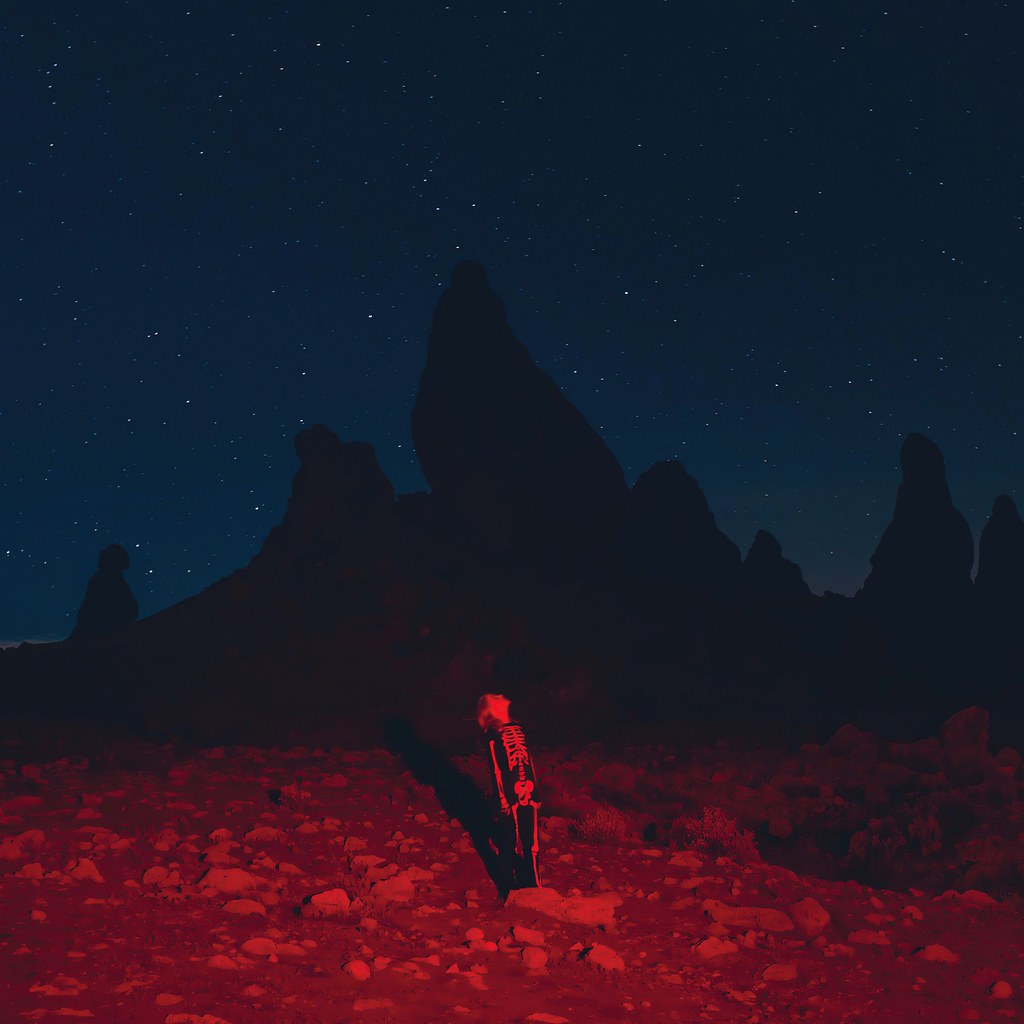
point(458, 794)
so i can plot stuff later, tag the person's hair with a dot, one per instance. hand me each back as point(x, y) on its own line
point(491, 707)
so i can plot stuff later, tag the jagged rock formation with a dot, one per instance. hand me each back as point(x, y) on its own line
point(109, 604)
point(342, 506)
point(768, 577)
point(926, 553)
point(919, 590)
point(514, 464)
point(671, 537)
point(1000, 577)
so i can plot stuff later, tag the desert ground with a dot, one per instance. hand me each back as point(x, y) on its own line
point(156, 883)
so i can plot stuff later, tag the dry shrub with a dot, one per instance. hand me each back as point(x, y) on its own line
point(715, 834)
point(604, 825)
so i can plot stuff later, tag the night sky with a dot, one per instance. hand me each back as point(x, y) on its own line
point(767, 238)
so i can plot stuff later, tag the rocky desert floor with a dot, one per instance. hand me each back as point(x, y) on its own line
point(158, 884)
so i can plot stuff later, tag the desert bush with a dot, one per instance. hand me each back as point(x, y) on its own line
point(715, 834)
point(603, 825)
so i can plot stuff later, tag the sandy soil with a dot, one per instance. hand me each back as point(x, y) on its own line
point(157, 884)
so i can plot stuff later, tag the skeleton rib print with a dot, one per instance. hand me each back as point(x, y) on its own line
point(514, 742)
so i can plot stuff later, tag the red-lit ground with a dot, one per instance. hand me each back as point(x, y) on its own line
point(158, 885)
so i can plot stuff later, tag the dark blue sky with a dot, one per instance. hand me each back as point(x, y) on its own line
point(768, 238)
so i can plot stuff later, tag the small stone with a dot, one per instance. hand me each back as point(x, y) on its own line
point(1001, 990)
point(260, 947)
point(604, 958)
point(230, 880)
point(85, 870)
point(810, 916)
point(867, 937)
point(714, 946)
point(224, 963)
point(534, 958)
point(937, 954)
point(245, 906)
point(167, 999)
point(474, 933)
point(528, 936)
point(329, 903)
point(357, 969)
point(779, 972)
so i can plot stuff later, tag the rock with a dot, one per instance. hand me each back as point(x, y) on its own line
point(604, 958)
point(867, 937)
point(671, 538)
point(109, 604)
point(357, 969)
point(511, 463)
point(595, 911)
point(920, 581)
point(761, 918)
point(85, 870)
point(329, 903)
point(534, 957)
point(260, 947)
point(245, 906)
point(229, 880)
point(265, 834)
point(965, 753)
point(222, 962)
point(1001, 990)
point(16, 847)
point(547, 1018)
point(937, 954)
point(999, 582)
point(768, 578)
point(779, 972)
point(194, 1018)
point(398, 889)
point(810, 916)
point(341, 510)
point(167, 999)
point(713, 946)
point(528, 936)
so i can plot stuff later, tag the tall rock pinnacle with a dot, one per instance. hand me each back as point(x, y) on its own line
point(923, 562)
point(509, 458)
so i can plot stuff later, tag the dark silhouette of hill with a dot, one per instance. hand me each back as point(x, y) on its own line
point(530, 567)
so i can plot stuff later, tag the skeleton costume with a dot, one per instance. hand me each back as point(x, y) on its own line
point(515, 792)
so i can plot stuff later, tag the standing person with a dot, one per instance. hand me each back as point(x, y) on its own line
point(514, 794)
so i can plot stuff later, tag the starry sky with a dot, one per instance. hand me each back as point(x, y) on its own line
point(766, 237)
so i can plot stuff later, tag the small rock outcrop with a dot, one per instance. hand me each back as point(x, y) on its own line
point(514, 464)
point(342, 506)
point(671, 538)
point(109, 604)
point(768, 577)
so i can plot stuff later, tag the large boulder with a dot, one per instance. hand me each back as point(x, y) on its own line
point(671, 538)
point(514, 466)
